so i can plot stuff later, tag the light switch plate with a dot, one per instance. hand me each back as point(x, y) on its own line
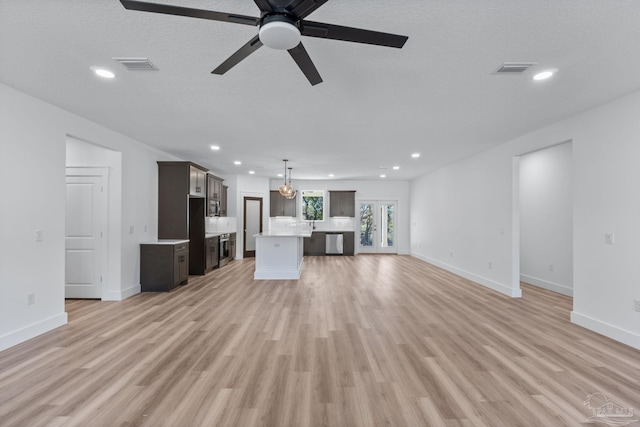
point(609, 238)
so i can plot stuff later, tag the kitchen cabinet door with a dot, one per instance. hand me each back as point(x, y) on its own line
point(316, 244)
point(348, 243)
point(342, 203)
point(223, 201)
point(212, 254)
point(197, 181)
point(281, 206)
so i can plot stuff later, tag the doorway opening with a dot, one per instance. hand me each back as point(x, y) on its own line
point(252, 224)
point(545, 218)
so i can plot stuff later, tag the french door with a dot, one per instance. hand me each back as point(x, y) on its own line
point(377, 227)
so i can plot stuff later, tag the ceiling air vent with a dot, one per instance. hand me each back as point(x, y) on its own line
point(136, 64)
point(512, 68)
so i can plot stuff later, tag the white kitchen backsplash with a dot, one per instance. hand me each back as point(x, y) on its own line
point(225, 224)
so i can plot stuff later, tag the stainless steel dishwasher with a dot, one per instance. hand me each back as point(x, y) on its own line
point(334, 244)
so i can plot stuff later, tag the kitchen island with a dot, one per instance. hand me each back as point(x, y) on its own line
point(279, 254)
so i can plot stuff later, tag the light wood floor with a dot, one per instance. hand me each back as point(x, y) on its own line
point(357, 341)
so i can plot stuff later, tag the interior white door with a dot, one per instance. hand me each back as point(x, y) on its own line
point(86, 232)
point(377, 227)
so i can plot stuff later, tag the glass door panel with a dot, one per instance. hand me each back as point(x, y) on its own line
point(377, 227)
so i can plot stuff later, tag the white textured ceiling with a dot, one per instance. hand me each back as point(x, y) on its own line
point(376, 106)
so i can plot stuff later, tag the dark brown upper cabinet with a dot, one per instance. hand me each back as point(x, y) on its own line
point(281, 206)
point(216, 196)
point(342, 203)
point(197, 181)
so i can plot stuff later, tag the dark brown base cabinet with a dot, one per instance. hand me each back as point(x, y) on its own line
point(212, 253)
point(316, 245)
point(163, 266)
point(348, 243)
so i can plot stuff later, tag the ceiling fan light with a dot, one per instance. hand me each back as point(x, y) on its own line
point(279, 35)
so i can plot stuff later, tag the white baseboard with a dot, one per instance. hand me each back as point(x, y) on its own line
point(550, 286)
point(615, 333)
point(32, 331)
point(491, 284)
point(122, 294)
point(282, 274)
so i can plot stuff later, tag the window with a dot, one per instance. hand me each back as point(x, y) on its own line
point(313, 205)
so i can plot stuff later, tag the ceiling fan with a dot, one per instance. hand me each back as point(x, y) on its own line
point(281, 23)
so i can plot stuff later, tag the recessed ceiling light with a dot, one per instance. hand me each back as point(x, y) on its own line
point(383, 176)
point(415, 155)
point(252, 172)
point(215, 147)
point(330, 175)
point(280, 175)
point(237, 163)
point(104, 73)
point(543, 75)
point(395, 168)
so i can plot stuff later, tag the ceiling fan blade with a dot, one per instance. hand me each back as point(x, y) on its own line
point(246, 50)
point(304, 8)
point(189, 12)
point(264, 5)
point(350, 34)
point(300, 55)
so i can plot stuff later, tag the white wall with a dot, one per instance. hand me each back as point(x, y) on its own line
point(381, 190)
point(33, 135)
point(464, 208)
point(546, 219)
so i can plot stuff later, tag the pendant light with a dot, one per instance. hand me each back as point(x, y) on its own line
point(293, 192)
point(285, 189)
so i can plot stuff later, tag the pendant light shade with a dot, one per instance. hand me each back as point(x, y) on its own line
point(292, 192)
point(285, 189)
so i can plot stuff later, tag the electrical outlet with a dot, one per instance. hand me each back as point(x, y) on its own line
point(451, 254)
point(490, 265)
point(637, 305)
point(31, 299)
point(38, 235)
point(550, 267)
point(131, 229)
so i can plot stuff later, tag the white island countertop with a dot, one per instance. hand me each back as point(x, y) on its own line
point(165, 242)
point(280, 233)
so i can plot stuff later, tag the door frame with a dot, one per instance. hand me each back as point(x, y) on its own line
point(102, 261)
point(245, 252)
point(376, 248)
